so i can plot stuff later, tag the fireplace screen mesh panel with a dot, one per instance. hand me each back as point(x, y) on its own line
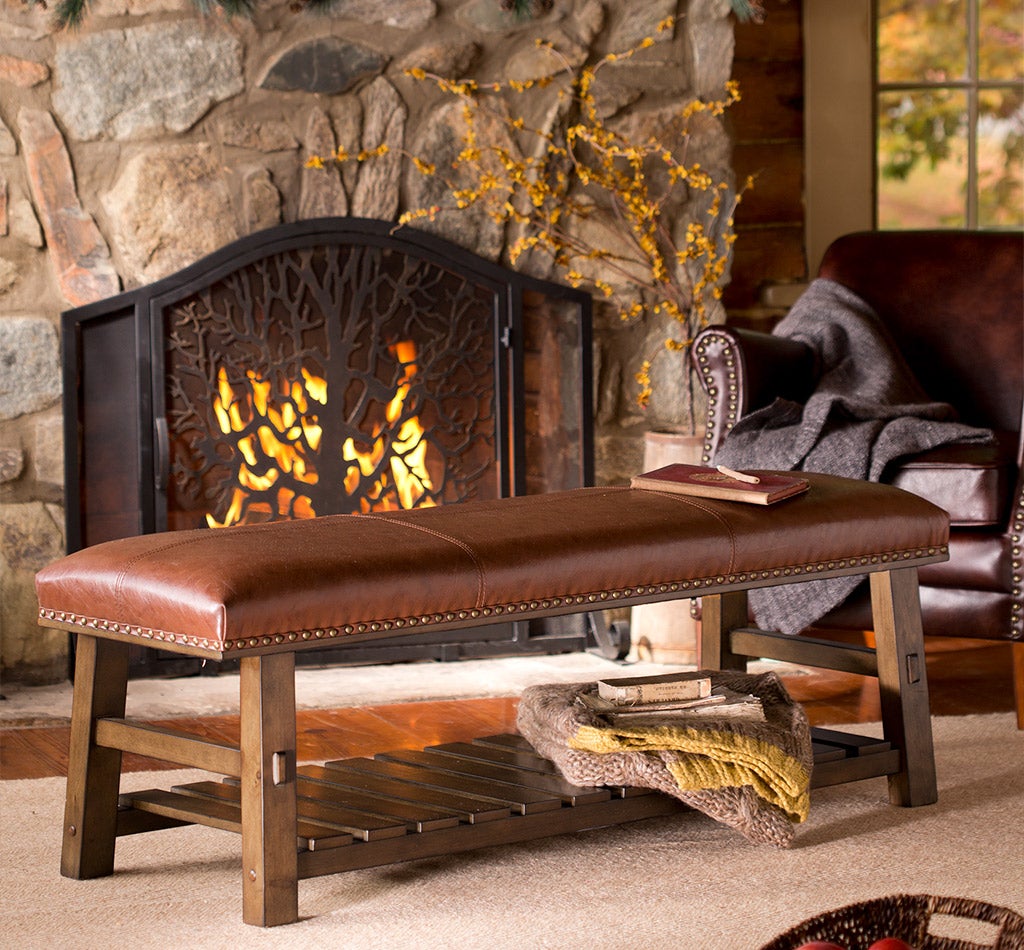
point(330, 380)
point(327, 367)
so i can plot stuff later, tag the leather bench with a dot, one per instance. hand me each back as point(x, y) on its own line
point(261, 593)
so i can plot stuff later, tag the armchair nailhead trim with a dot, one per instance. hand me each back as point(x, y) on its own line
point(718, 417)
point(1017, 607)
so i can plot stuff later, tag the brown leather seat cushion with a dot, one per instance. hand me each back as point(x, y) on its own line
point(289, 584)
point(974, 483)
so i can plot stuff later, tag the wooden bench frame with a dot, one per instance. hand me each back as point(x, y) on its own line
point(265, 761)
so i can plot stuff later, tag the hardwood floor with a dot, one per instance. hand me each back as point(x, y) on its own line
point(964, 677)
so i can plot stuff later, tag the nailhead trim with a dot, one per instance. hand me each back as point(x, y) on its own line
point(718, 413)
point(397, 623)
point(1017, 606)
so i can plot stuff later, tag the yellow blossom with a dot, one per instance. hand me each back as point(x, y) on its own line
point(589, 170)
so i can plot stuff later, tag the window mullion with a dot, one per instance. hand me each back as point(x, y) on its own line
point(973, 111)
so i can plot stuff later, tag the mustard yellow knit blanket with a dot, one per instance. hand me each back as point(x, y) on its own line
point(753, 776)
point(709, 758)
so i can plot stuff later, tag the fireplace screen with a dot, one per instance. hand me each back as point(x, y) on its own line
point(327, 367)
point(329, 381)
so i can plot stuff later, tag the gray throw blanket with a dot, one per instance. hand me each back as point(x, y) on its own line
point(866, 411)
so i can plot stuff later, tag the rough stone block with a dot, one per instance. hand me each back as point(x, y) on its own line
point(78, 251)
point(640, 20)
point(30, 538)
point(488, 17)
point(270, 136)
point(376, 193)
point(30, 361)
point(443, 59)
point(162, 77)
point(327, 65)
point(48, 453)
point(321, 193)
point(25, 73)
point(170, 206)
point(403, 14)
point(261, 201)
point(12, 463)
point(8, 274)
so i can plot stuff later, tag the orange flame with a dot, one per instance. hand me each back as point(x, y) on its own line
point(277, 438)
point(408, 469)
point(274, 436)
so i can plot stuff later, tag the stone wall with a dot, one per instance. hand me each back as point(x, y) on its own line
point(153, 135)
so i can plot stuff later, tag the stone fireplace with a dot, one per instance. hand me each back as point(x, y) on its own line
point(153, 136)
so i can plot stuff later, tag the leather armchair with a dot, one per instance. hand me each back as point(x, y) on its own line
point(954, 304)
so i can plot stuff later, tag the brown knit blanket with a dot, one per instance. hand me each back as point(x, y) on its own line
point(753, 776)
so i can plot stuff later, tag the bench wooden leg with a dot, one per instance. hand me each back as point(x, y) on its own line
point(720, 615)
point(270, 891)
point(1018, 682)
point(94, 773)
point(903, 684)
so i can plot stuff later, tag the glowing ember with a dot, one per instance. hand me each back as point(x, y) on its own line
point(277, 435)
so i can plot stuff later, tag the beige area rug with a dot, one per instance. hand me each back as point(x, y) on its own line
point(335, 687)
point(681, 882)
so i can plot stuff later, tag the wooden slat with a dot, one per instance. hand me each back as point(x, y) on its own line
point(469, 807)
point(131, 821)
point(523, 801)
point(468, 837)
point(850, 743)
point(824, 752)
point(325, 814)
point(509, 740)
point(214, 814)
point(317, 782)
point(527, 761)
point(227, 815)
point(570, 794)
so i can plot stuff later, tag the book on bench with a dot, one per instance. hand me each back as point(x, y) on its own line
point(765, 488)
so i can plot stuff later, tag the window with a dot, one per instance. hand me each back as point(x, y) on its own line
point(938, 85)
point(949, 113)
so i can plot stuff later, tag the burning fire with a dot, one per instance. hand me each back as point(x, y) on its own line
point(279, 435)
point(276, 435)
point(408, 470)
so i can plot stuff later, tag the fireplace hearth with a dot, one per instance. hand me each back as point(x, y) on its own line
point(332, 366)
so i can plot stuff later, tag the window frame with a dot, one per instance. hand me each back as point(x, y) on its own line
point(839, 120)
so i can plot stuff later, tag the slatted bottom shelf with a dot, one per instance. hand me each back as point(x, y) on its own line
point(407, 804)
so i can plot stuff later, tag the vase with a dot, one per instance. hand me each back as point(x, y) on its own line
point(666, 632)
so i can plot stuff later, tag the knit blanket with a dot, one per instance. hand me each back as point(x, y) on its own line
point(867, 410)
point(750, 775)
